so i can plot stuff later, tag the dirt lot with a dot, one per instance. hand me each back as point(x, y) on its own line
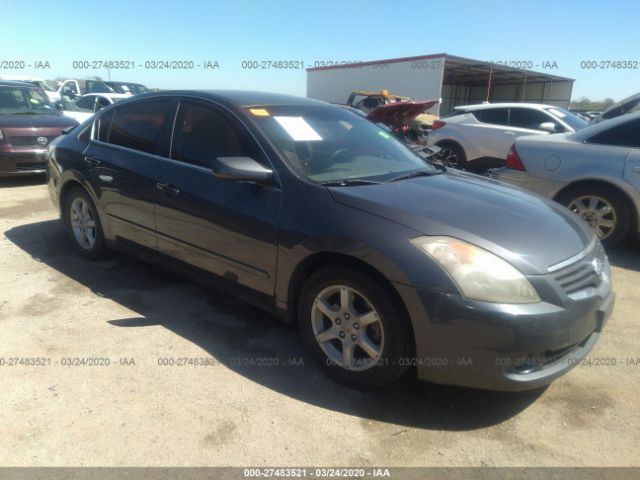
point(57, 307)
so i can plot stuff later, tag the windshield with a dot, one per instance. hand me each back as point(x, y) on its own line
point(329, 144)
point(568, 117)
point(24, 100)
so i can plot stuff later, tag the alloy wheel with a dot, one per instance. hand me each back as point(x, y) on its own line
point(347, 328)
point(597, 212)
point(83, 223)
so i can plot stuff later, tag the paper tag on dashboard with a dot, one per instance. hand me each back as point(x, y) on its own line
point(298, 129)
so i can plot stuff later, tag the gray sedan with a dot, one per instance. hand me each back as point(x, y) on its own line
point(594, 172)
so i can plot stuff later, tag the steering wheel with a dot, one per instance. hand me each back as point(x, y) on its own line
point(337, 153)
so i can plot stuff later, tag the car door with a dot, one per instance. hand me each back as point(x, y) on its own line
point(526, 121)
point(626, 138)
point(228, 228)
point(489, 135)
point(121, 164)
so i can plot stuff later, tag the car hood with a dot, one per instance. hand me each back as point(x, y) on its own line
point(527, 230)
point(618, 108)
point(396, 114)
point(35, 121)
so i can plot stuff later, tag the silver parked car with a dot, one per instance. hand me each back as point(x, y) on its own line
point(594, 172)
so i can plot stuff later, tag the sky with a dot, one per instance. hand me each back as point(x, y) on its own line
point(232, 32)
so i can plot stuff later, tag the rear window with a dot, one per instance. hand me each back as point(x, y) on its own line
point(625, 135)
point(139, 126)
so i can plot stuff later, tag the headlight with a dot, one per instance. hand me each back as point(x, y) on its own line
point(479, 275)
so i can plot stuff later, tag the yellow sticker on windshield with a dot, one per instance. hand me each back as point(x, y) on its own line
point(384, 134)
point(259, 112)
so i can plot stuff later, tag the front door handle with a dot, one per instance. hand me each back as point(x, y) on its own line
point(636, 169)
point(93, 161)
point(169, 189)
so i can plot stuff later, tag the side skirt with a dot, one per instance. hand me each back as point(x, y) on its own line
point(200, 276)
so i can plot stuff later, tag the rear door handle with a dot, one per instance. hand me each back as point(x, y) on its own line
point(169, 189)
point(93, 161)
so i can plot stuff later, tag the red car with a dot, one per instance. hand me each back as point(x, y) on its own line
point(28, 123)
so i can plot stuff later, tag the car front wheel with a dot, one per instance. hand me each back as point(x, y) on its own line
point(352, 326)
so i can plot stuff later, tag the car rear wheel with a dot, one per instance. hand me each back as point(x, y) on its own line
point(605, 210)
point(452, 155)
point(354, 329)
point(83, 224)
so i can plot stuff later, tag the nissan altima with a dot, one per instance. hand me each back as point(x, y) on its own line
point(386, 262)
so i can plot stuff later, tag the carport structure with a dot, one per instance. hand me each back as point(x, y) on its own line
point(455, 80)
point(467, 81)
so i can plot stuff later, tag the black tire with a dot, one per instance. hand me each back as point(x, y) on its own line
point(453, 155)
point(395, 328)
point(98, 248)
point(617, 201)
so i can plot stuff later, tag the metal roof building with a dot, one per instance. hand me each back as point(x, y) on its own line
point(454, 80)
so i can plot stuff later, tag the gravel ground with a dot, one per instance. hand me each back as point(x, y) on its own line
point(130, 409)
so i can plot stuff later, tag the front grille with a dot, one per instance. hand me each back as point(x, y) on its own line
point(22, 141)
point(585, 272)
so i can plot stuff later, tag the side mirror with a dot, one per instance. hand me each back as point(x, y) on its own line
point(548, 127)
point(59, 107)
point(241, 169)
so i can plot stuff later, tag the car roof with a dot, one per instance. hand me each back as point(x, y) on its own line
point(108, 95)
point(21, 78)
point(241, 98)
point(15, 83)
point(119, 82)
point(484, 106)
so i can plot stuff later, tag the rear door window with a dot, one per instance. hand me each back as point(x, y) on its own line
point(139, 126)
point(494, 116)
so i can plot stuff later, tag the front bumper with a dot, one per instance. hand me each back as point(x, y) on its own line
point(22, 161)
point(501, 347)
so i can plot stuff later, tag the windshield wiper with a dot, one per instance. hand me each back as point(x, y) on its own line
point(419, 173)
point(348, 183)
point(27, 112)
